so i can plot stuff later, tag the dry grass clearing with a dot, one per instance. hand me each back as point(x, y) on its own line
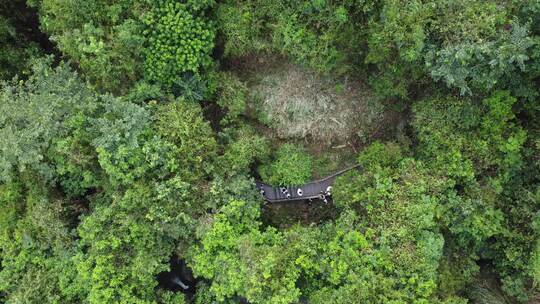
point(299, 104)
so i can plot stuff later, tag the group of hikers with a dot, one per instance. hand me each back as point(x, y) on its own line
point(323, 194)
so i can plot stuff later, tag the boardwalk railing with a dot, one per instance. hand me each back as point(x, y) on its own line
point(319, 189)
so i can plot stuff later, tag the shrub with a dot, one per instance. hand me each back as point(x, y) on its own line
point(243, 150)
point(232, 93)
point(243, 27)
point(306, 46)
point(378, 154)
point(291, 166)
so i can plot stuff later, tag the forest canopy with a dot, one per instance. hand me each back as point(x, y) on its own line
point(132, 134)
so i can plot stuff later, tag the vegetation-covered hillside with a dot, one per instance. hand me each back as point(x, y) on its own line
point(132, 133)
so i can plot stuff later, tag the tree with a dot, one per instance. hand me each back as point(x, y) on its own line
point(485, 65)
point(126, 242)
point(482, 150)
point(390, 253)
point(103, 39)
point(183, 125)
point(35, 245)
point(42, 127)
point(180, 40)
point(397, 198)
point(241, 260)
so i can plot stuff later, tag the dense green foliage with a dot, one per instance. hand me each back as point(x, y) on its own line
point(116, 44)
point(391, 253)
point(179, 40)
point(468, 44)
point(137, 140)
point(290, 166)
point(481, 149)
point(105, 41)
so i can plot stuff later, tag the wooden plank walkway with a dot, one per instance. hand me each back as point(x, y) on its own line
point(319, 189)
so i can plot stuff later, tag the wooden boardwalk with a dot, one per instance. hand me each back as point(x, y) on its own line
point(319, 189)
